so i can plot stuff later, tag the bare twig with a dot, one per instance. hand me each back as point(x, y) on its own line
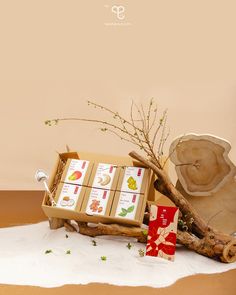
point(154, 119)
point(158, 128)
point(130, 130)
point(170, 154)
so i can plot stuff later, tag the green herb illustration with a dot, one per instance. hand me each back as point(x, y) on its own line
point(124, 211)
point(132, 184)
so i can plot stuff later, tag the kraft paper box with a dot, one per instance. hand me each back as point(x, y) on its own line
point(97, 202)
point(77, 172)
point(55, 178)
point(133, 179)
point(104, 176)
point(69, 196)
point(128, 207)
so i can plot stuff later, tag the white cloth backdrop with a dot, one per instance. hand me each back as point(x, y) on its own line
point(24, 262)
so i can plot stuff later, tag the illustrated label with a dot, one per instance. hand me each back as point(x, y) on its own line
point(104, 176)
point(161, 241)
point(76, 171)
point(132, 180)
point(69, 196)
point(127, 205)
point(97, 202)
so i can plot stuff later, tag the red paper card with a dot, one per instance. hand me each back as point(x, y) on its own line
point(162, 230)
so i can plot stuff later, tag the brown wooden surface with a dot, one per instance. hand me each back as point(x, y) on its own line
point(22, 207)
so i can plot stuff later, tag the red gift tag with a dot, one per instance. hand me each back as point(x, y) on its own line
point(161, 241)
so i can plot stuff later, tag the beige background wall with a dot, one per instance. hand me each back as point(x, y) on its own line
point(54, 55)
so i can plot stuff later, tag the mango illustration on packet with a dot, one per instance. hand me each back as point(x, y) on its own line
point(75, 175)
point(77, 172)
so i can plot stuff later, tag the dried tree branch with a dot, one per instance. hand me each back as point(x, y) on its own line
point(112, 229)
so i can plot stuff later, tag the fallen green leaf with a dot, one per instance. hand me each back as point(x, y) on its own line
point(141, 252)
point(48, 251)
point(94, 243)
point(129, 246)
point(103, 258)
point(145, 232)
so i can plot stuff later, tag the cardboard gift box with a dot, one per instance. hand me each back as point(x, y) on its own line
point(108, 216)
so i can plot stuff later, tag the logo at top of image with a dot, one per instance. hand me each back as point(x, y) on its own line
point(116, 15)
point(119, 11)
